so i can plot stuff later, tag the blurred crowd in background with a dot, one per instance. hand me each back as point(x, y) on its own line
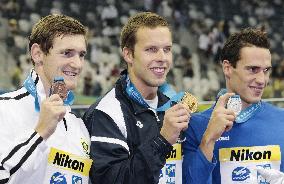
point(200, 28)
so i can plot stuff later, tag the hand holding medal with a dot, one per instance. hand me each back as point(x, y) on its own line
point(192, 104)
point(52, 109)
point(177, 117)
point(221, 120)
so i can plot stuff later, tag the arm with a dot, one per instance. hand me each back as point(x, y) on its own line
point(221, 120)
point(16, 157)
point(196, 168)
point(22, 151)
point(199, 161)
point(114, 162)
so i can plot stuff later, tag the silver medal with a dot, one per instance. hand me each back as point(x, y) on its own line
point(235, 104)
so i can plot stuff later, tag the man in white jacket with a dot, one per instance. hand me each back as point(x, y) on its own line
point(41, 141)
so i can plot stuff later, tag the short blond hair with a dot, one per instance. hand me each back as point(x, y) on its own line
point(140, 20)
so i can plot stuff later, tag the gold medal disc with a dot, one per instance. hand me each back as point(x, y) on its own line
point(190, 101)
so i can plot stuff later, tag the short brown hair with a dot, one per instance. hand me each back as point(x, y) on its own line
point(51, 26)
point(143, 19)
point(245, 38)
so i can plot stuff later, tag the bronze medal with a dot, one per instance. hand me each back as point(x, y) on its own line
point(59, 87)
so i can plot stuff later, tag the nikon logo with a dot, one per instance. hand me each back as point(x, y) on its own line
point(246, 154)
point(65, 161)
point(172, 154)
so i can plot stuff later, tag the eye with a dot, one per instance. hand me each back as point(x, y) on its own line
point(267, 70)
point(68, 53)
point(152, 49)
point(167, 49)
point(254, 69)
point(82, 54)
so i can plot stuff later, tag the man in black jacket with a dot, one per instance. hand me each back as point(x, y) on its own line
point(131, 131)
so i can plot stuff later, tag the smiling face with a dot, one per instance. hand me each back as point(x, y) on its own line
point(65, 58)
point(151, 60)
point(251, 74)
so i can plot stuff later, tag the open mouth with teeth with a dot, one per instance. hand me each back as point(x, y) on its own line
point(158, 70)
point(69, 73)
point(257, 90)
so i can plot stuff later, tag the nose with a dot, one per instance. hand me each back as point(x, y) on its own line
point(261, 77)
point(77, 61)
point(161, 55)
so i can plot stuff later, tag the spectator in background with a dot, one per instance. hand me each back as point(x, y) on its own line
point(41, 140)
point(180, 67)
point(189, 16)
point(16, 75)
point(88, 84)
point(131, 137)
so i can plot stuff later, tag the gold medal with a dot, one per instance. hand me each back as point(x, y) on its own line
point(190, 101)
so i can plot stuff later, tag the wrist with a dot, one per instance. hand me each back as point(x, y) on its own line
point(41, 130)
point(207, 147)
point(208, 140)
point(162, 145)
point(164, 134)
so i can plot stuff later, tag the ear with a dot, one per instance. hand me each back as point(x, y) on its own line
point(227, 68)
point(127, 55)
point(37, 54)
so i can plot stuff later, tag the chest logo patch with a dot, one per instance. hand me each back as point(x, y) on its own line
point(139, 124)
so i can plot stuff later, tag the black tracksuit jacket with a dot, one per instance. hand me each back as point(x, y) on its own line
point(126, 144)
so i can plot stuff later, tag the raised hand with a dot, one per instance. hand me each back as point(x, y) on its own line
point(52, 111)
point(175, 120)
point(221, 120)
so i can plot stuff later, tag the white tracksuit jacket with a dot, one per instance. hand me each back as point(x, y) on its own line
point(24, 154)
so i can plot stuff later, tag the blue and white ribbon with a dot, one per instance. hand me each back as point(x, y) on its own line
point(166, 89)
point(29, 84)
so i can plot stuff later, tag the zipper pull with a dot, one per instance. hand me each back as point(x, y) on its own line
point(157, 118)
point(155, 112)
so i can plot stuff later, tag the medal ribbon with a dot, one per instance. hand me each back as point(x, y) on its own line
point(246, 113)
point(29, 84)
point(134, 94)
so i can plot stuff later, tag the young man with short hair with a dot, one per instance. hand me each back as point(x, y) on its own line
point(131, 135)
point(41, 140)
point(228, 142)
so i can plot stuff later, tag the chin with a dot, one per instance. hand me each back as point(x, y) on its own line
point(157, 83)
point(255, 100)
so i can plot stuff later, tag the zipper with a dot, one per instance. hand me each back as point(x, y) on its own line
point(155, 113)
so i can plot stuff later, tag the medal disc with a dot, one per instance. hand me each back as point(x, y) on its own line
point(191, 101)
point(235, 104)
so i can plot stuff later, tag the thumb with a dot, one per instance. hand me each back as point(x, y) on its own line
point(264, 173)
point(270, 174)
point(222, 101)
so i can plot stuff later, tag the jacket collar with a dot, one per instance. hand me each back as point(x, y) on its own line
point(121, 84)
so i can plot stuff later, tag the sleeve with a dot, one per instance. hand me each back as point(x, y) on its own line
point(19, 153)
point(196, 168)
point(113, 159)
